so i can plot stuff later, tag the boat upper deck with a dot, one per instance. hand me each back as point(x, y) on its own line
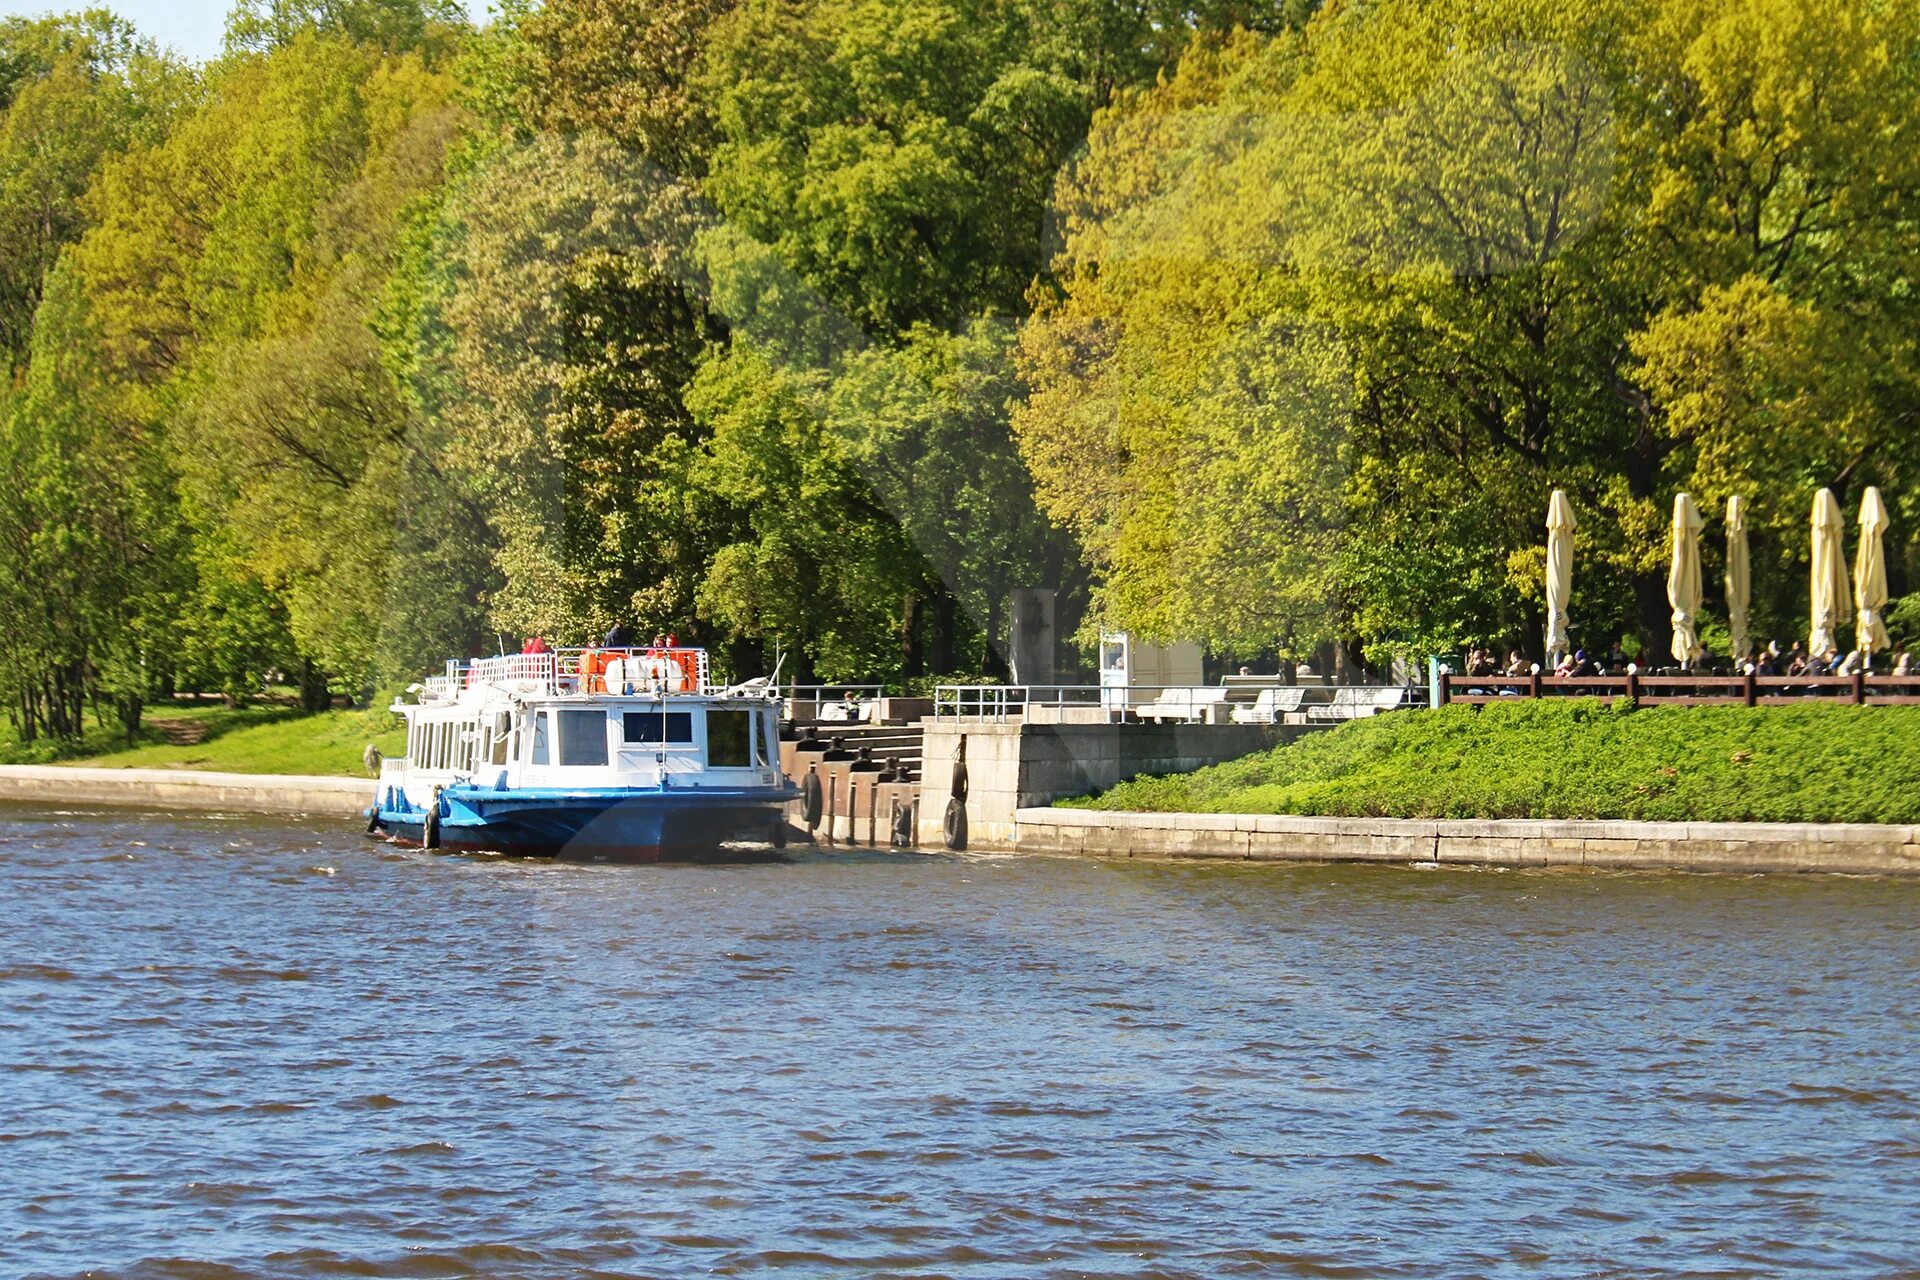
point(651, 671)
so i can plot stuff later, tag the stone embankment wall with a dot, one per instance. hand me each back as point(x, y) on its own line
point(1681, 846)
point(1011, 766)
point(178, 790)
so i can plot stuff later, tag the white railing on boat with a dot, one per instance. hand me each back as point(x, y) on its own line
point(563, 670)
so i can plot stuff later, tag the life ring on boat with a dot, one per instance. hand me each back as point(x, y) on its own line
point(810, 799)
point(954, 828)
point(903, 826)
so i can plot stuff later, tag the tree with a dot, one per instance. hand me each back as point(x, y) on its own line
point(92, 539)
point(429, 27)
point(570, 341)
point(74, 91)
point(1526, 228)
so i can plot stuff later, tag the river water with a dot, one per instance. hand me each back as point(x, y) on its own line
point(247, 1048)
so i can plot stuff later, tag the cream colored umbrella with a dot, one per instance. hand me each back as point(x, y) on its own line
point(1830, 590)
point(1870, 575)
point(1559, 572)
point(1683, 580)
point(1739, 580)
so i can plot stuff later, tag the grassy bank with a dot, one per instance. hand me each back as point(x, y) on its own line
point(264, 738)
point(1573, 759)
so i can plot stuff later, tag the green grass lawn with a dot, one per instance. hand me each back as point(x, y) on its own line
point(1573, 759)
point(264, 738)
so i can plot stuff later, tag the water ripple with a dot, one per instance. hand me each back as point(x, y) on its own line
point(236, 1048)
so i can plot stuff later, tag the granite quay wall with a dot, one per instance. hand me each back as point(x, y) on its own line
point(179, 790)
point(1014, 766)
point(1671, 846)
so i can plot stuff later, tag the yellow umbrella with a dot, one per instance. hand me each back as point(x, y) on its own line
point(1559, 572)
point(1739, 580)
point(1830, 590)
point(1683, 580)
point(1870, 574)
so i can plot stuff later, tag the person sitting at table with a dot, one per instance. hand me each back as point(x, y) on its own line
point(1517, 664)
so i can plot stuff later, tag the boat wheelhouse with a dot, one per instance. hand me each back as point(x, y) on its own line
point(587, 754)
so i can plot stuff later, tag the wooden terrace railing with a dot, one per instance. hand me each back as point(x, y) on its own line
point(1683, 689)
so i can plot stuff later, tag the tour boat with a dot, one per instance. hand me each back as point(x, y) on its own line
point(595, 755)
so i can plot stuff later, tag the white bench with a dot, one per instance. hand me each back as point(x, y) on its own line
point(1186, 705)
point(1346, 704)
point(1353, 702)
point(1270, 705)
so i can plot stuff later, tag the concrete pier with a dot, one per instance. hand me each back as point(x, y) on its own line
point(1671, 846)
point(1012, 766)
point(182, 790)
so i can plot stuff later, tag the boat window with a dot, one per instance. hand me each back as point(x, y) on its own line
point(729, 735)
point(583, 737)
point(498, 752)
point(645, 726)
point(540, 738)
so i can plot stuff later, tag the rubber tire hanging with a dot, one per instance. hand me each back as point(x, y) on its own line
point(955, 826)
point(810, 800)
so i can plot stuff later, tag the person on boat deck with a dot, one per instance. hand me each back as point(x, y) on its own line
point(534, 644)
point(619, 636)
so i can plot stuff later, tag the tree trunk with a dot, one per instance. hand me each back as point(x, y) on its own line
point(993, 655)
point(314, 694)
point(911, 665)
point(940, 629)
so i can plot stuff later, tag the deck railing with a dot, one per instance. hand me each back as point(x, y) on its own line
point(561, 670)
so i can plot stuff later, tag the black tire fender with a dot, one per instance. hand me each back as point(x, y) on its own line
point(955, 826)
point(430, 826)
point(903, 826)
point(810, 799)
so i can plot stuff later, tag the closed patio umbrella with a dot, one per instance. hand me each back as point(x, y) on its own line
point(1870, 575)
point(1829, 589)
point(1559, 572)
point(1739, 580)
point(1683, 580)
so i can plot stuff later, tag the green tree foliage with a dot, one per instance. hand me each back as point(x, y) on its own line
point(237, 270)
point(819, 324)
point(91, 536)
point(429, 27)
point(1623, 248)
point(74, 91)
point(571, 342)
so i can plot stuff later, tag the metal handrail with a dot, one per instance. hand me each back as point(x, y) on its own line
point(999, 703)
point(833, 692)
